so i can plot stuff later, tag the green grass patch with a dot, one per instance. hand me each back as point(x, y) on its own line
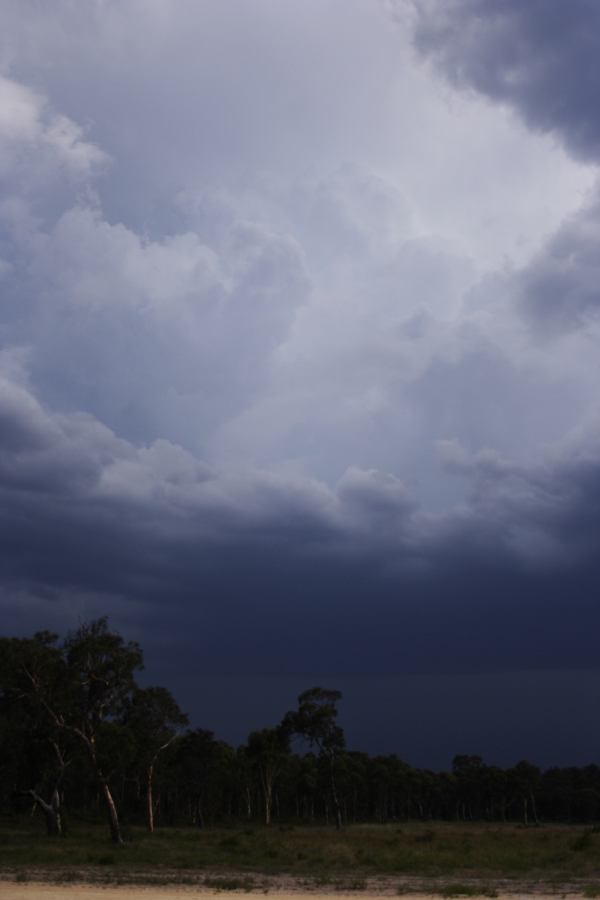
point(584, 841)
point(462, 852)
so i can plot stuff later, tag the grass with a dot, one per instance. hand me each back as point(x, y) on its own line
point(467, 890)
point(458, 853)
point(229, 884)
point(355, 884)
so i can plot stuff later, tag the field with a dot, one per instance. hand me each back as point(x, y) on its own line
point(451, 859)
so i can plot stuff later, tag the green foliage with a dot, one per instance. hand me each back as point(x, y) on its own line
point(426, 837)
point(76, 728)
point(69, 694)
point(153, 716)
point(315, 719)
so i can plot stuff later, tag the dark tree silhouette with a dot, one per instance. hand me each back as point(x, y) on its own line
point(78, 688)
point(315, 720)
point(153, 719)
point(268, 750)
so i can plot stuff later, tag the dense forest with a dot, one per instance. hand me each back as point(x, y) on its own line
point(80, 738)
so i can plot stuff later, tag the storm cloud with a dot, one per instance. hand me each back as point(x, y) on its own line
point(86, 511)
point(299, 331)
point(539, 57)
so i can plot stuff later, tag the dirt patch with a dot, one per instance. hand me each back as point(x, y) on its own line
point(40, 891)
point(133, 885)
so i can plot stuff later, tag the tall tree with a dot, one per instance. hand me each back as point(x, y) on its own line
point(153, 717)
point(38, 746)
point(524, 779)
point(315, 720)
point(101, 666)
point(200, 761)
point(82, 686)
point(268, 750)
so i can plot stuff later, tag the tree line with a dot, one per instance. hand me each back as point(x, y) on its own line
point(78, 735)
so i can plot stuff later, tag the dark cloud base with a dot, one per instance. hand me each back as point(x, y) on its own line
point(275, 576)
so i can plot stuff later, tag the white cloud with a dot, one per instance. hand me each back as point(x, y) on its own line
point(35, 142)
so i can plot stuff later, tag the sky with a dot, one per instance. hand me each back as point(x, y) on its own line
point(299, 327)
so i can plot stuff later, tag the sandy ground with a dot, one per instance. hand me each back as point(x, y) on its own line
point(14, 891)
point(93, 885)
point(10, 890)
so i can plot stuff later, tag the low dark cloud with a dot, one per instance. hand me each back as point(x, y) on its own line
point(540, 57)
point(252, 572)
point(559, 291)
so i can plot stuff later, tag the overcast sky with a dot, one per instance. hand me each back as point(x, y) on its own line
point(299, 331)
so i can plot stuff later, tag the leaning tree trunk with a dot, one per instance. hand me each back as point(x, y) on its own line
point(52, 812)
point(113, 817)
point(111, 808)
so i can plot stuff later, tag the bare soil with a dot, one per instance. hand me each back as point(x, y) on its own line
point(48, 885)
point(41, 891)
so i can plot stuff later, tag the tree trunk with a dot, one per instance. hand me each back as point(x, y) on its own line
point(52, 813)
point(149, 799)
point(334, 795)
point(267, 786)
point(534, 808)
point(113, 818)
point(199, 813)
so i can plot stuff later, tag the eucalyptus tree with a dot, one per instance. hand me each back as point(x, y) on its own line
point(79, 689)
point(268, 750)
point(524, 779)
point(36, 747)
point(315, 720)
point(205, 768)
point(101, 666)
point(153, 719)
point(469, 771)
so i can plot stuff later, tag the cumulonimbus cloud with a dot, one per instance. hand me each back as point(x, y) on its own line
point(262, 393)
point(85, 511)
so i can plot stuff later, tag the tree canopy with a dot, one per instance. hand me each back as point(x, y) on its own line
point(76, 728)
